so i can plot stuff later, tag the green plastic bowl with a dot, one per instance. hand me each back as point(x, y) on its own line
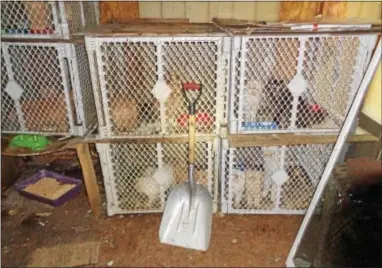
point(33, 142)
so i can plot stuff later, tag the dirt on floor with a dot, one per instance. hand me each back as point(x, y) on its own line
point(132, 240)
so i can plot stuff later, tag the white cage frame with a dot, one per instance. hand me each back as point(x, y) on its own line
point(336, 153)
point(219, 91)
point(309, 158)
point(289, 66)
point(62, 18)
point(116, 157)
point(56, 96)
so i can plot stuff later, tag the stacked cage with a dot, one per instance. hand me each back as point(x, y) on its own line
point(44, 19)
point(45, 84)
point(137, 81)
point(286, 84)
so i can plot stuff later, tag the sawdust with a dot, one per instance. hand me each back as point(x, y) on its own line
point(49, 188)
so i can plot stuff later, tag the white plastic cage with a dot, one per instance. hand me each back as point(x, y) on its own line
point(129, 173)
point(43, 19)
point(271, 179)
point(295, 83)
point(46, 89)
point(138, 83)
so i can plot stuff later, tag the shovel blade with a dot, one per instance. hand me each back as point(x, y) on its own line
point(186, 224)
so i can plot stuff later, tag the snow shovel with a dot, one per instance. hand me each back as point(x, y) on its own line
point(187, 216)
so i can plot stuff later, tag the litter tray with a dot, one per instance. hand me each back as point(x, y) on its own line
point(21, 185)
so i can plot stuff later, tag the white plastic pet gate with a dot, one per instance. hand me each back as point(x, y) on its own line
point(271, 179)
point(46, 88)
point(129, 171)
point(291, 83)
point(43, 19)
point(138, 83)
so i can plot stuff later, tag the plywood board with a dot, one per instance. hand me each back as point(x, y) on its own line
point(120, 12)
point(152, 28)
point(335, 9)
point(297, 11)
point(244, 140)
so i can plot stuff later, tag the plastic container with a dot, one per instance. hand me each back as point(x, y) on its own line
point(21, 185)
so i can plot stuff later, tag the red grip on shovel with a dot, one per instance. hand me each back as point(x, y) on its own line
point(191, 86)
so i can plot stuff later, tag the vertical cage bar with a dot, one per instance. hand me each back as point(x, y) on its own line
point(8, 67)
point(243, 59)
point(300, 61)
point(235, 46)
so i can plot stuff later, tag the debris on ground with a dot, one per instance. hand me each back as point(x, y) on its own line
point(43, 214)
point(67, 255)
point(13, 212)
point(80, 229)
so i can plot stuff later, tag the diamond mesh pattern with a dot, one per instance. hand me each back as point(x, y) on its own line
point(26, 18)
point(37, 19)
point(9, 120)
point(89, 109)
point(36, 69)
point(73, 15)
point(329, 65)
point(249, 187)
point(129, 70)
point(194, 62)
point(328, 68)
point(133, 165)
point(91, 17)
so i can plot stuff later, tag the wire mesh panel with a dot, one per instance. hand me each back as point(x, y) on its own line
point(141, 81)
point(43, 19)
point(271, 179)
point(129, 173)
point(41, 90)
point(295, 82)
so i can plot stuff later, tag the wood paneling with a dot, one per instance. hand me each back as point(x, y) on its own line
point(244, 10)
point(299, 10)
point(268, 11)
point(221, 10)
point(120, 12)
point(335, 9)
point(370, 10)
point(173, 9)
point(197, 11)
point(150, 9)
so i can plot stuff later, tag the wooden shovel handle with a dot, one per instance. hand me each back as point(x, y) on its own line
point(191, 139)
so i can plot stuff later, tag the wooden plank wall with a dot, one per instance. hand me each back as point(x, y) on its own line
point(120, 12)
point(205, 11)
point(270, 11)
